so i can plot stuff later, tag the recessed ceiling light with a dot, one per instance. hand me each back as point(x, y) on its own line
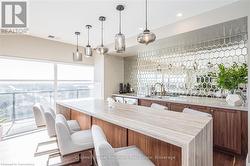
point(51, 36)
point(179, 14)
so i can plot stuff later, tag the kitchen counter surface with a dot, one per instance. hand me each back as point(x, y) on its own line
point(176, 128)
point(193, 100)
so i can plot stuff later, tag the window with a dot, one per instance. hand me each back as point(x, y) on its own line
point(74, 81)
point(24, 83)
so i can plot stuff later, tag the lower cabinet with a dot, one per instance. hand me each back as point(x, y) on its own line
point(148, 103)
point(230, 127)
point(227, 130)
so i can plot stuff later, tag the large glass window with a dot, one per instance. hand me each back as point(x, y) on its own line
point(74, 81)
point(24, 83)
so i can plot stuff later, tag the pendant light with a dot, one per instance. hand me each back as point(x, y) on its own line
point(120, 38)
point(77, 56)
point(88, 49)
point(101, 49)
point(146, 36)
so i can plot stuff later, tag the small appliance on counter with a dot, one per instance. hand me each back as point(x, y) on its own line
point(125, 88)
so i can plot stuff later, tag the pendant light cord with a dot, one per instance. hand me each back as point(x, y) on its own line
point(120, 17)
point(77, 43)
point(88, 36)
point(146, 10)
point(102, 34)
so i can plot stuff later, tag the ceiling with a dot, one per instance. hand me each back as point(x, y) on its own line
point(62, 18)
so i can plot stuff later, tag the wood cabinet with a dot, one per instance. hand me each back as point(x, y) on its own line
point(159, 152)
point(230, 127)
point(83, 119)
point(177, 107)
point(148, 103)
point(227, 129)
point(116, 135)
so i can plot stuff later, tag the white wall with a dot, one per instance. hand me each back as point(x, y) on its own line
point(109, 72)
point(99, 76)
point(114, 74)
point(24, 46)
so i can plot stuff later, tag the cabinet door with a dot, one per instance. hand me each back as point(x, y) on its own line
point(177, 107)
point(200, 108)
point(227, 130)
point(131, 101)
point(119, 99)
point(148, 103)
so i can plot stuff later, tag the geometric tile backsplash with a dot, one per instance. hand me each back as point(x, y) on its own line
point(186, 68)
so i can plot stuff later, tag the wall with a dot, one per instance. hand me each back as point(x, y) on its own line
point(108, 74)
point(185, 64)
point(113, 74)
point(229, 12)
point(24, 46)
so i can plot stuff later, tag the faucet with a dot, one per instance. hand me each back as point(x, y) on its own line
point(162, 90)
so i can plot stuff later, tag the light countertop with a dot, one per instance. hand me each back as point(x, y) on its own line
point(193, 100)
point(174, 127)
point(177, 128)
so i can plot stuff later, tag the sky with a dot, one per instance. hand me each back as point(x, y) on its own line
point(11, 69)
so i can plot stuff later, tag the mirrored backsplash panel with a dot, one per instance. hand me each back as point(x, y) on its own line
point(187, 63)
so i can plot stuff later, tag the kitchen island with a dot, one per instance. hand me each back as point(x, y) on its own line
point(230, 124)
point(166, 137)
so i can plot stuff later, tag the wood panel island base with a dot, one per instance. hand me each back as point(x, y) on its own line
point(167, 138)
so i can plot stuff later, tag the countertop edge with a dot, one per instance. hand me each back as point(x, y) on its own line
point(241, 108)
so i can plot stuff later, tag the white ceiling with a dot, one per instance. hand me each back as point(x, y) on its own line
point(62, 18)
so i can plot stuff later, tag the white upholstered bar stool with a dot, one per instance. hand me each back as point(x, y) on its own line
point(72, 142)
point(195, 112)
point(158, 106)
point(39, 115)
point(50, 116)
point(108, 156)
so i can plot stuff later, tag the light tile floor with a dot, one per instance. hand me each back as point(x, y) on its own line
point(20, 150)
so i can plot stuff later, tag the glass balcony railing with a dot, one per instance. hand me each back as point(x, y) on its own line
point(18, 105)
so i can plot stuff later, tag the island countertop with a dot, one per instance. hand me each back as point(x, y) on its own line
point(202, 101)
point(176, 128)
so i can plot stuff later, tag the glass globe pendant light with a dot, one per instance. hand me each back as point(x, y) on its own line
point(146, 36)
point(101, 49)
point(88, 49)
point(77, 56)
point(120, 38)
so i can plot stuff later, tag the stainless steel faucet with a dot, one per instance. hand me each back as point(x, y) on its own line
point(162, 91)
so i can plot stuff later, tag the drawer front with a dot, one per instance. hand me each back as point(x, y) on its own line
point(148, 103)
point(130, 101)
point(119, 99)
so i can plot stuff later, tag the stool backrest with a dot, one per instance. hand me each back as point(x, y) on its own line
point(50, 117)
point(63, 133)
point(105, 154)
point(38, 112)
point(158, 106)
point(195, 112)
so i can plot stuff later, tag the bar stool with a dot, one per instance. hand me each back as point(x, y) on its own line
point(195, 112)
point(49, 116)
point(108, 156)
point(158, 106)
point(71, 142)
point(38, 115)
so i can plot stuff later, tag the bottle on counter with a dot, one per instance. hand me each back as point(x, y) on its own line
point(128, 88)
point(121, 88)
point(125, 89)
